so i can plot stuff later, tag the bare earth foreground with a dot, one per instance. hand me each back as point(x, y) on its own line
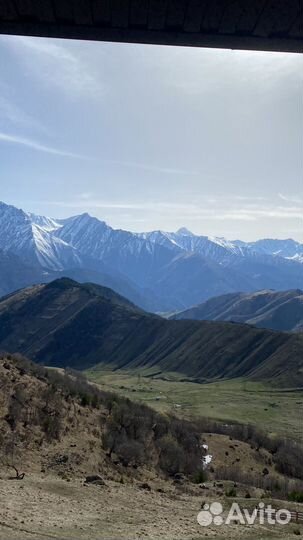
point(48, 507)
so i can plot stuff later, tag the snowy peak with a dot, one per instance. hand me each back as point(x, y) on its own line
point(30, 237)
point(85, 233)
point(46, 223)
point(223, 251)
point(52, 252)
point(15, 230)
point(183, 231)
point(173, 270)
point(283, 248)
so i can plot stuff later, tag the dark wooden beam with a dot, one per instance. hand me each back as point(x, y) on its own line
point(271, 25)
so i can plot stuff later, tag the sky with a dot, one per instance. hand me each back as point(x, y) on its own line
point(152, 137)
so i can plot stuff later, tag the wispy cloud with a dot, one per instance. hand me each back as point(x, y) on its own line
point(153, 206)
point(14, 115)
point(247, 214)
point(187, 210)
point(35, 145)
point(57, 64)
point(152, 168)
point(256, 68)
point(11, 112)
point(290, 198)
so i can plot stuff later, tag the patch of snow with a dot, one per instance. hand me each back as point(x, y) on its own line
point(206, 460)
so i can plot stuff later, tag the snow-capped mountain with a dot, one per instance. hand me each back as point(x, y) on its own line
point(289, 249)
point(47, 223)
point(128, 253)
point(160, 270)
point(31, 238)
point(215, 249)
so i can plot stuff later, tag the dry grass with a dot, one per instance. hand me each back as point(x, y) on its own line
point(52, 508)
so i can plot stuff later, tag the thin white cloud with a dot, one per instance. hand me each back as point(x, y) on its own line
point(35, 145)
point(201, 72)
point(187, 210)
point(86, 195)
point(152, 168)
point(12, 113)
point(151, 206)
point(253, 214)
point(57, 64)
point(290, 198)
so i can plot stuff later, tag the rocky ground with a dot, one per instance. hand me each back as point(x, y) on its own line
point(49, 507)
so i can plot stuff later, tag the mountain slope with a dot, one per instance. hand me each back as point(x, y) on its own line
point(290, 249)
point(15, 274)
point(180, 268)
point(32, 242)
point(64, 323)
point(267, 309)
point(161, 271)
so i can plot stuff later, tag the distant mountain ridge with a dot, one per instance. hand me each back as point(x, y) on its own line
point(265, 309)
point(160, 271)
point(16, 274)
point(65, 323)
point(22, 234)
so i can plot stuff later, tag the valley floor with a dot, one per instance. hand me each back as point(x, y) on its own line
point(277, 411)
point(48, 507)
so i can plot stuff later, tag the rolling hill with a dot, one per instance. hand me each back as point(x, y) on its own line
point(68, 324)
point(277, 310)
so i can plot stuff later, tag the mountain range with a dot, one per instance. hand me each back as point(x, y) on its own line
point(159, 271)
point(278, 310)
point(65, 323)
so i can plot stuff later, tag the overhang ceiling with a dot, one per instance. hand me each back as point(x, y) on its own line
point(269, 25)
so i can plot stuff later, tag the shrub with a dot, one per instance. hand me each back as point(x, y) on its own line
point(200, 477)
point(52, 426)
point(131, 453)
point(85, 400)
point(296, 496)
point(231, 492)
point(171, 458)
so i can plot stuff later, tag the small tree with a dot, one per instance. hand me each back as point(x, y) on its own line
point(15, 408)
point(11, 455)
point(171, 457)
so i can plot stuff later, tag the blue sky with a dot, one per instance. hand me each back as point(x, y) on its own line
point(149, 137)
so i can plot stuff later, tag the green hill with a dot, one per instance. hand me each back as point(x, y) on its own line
point(68, 324)
point(277, 310)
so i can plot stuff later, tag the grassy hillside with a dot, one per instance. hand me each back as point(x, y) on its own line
point(278, 411)
point(46, 414)
point(277, 310)
point(68, 324)
point(56, 429)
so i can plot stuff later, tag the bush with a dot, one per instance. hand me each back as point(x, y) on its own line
point(171, 458)
point(296, 496)
point(231, 493)
point(288, 459)
point(52, 427)
point(200, 477)
point(85, 400)
point(131, 453)
point(16, 408)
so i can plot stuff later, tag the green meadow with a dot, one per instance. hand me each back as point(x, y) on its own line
point(278, 412)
